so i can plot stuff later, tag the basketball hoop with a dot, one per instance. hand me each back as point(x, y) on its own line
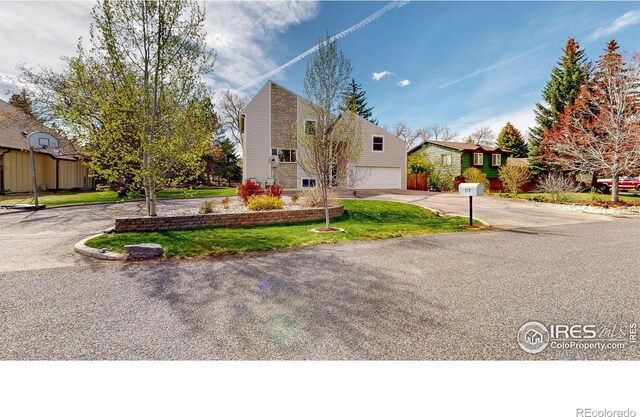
point(39, 140)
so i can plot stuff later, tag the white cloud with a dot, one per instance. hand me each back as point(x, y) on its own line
point(404, 83)
point(379, 75)
point(351, 29)
point(628, 19)
point(522, 119)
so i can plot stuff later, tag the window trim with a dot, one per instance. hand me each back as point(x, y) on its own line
point(450, 156)
point(293, 151)
point(481, 159)
point(373, 143)
point(493, 155)
point(307, 178)
point(304, 124)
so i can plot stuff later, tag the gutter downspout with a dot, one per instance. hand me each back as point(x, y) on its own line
point(2, 170)
point(57, 175)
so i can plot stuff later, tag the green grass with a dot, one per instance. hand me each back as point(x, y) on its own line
point(84, 197)
point(362, 220)
point(572, 197)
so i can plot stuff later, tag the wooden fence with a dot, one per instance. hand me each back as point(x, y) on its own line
point(417, 182)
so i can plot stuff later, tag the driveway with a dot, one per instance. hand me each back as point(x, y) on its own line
point(446, 296)
point(495, 211)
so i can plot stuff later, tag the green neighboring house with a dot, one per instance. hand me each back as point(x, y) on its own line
point(460, 156)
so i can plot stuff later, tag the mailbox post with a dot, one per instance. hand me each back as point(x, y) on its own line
point(471, 189)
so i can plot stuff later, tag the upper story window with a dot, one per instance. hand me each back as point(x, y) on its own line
point(446, 159)
point(284, 155)
point(478, 158)
point(496, 159)
point(378, 144)
point(310, 127)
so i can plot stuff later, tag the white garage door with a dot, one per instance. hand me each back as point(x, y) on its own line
point(378, 178)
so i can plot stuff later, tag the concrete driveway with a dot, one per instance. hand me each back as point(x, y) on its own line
point(495, 211)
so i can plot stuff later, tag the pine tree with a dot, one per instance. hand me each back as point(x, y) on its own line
point(356, 97)
point(561, 90)
point(510, 139)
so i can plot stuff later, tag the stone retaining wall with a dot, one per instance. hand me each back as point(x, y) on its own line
point(198, 221)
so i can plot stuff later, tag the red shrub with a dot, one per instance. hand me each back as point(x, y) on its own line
point(275, 191)
point(248, 189)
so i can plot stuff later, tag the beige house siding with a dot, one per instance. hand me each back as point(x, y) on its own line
point(394, 152)
point(17, 173)
point(257, 140)
point(434, 154)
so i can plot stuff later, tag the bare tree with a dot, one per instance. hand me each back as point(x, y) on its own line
point(482, 136)
point(231, 106)
point(437, 132)
point(407, 134)
point(330, 144)
point(600, 132)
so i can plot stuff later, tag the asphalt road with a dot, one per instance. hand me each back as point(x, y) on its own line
point(447, 296)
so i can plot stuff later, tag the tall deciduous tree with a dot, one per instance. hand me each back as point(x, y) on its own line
point(511, 139)
point(332, 144)
point(483, 136)
point(231, 108)
point(356, 98)
point(600, 132)
point(561, 91)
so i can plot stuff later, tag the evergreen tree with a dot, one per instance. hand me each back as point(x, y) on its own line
point(355, 97)
point(561, 90)
point(224, 162)
point(510, 139)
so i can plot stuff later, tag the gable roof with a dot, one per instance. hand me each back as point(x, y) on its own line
point(459, 146)
point(13, 122)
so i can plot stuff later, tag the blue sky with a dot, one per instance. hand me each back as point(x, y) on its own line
point(467, 64)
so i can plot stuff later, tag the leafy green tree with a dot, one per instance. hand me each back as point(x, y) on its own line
point(561, 90)
point(511, 139)
point(356, 98)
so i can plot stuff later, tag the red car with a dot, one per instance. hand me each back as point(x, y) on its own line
point(624, 184)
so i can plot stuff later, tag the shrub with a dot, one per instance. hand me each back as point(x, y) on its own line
point(275, 191)
point(294, 198)
point(557, 186)
point(207, 206)
point(264, 202)
point(417, 163)
point(475, 175)
point(225, 202)
point(248, 189)
point(513, 177)
point(312, 197)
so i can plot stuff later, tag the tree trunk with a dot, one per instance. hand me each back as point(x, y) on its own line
point(325, 193)
point(614, 189)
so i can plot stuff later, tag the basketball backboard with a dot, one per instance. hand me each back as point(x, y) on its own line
point(42, 140)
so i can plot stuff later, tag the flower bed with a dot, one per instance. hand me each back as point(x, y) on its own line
point(239, 218)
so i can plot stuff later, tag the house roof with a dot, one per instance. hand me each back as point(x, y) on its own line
point(13, 122)
point(460, 146)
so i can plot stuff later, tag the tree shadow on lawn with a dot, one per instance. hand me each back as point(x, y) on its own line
point(318, 303)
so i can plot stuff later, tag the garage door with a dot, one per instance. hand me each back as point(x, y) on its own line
point(378, 178)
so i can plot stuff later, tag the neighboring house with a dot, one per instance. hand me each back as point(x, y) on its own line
point(59, 169)
point(267, 125)
point(460, 156)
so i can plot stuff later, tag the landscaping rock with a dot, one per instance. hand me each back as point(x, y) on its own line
point(143, 251)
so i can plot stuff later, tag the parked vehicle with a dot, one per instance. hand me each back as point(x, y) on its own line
point(624, 184)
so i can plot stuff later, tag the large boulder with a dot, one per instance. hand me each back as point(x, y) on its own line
point(143, 251)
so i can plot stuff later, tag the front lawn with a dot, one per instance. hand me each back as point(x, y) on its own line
point(83, 197)
point(574, 198)
point(362, 220)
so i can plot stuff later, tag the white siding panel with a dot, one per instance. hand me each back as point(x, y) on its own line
point(394, 154)
point(376, 178)
point(257, 139)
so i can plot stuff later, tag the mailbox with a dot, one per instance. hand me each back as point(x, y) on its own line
point(471, 189)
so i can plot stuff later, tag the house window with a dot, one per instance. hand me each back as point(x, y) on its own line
point(446, 159)
point(284, 155)
point(308, 182)
point(496, 159)
point(478, 158)
point(310, 127)
point(378, 143)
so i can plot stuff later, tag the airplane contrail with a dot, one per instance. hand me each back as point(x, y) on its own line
point(359, 25)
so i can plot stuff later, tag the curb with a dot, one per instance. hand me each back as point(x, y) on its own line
point(85, 250)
